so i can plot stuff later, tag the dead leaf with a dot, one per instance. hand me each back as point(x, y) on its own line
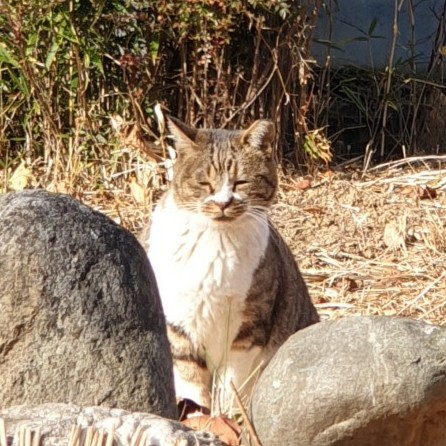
point(315, 210)
point(138, 192)
point(19, 180)
point(302, 184)
point(58, 186)
point(352, 285)
point(394, 236)
point(130, 136)
point(327, 174)
point(426, 192)
point(225, 429)
point(407, 190)
point(416, 233)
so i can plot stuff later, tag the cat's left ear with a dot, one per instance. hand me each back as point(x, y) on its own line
point(183, 135)
point(260, 135)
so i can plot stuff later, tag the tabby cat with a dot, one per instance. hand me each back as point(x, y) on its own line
point(230, 288)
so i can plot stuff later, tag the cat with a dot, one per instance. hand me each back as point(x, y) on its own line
point(231, 290)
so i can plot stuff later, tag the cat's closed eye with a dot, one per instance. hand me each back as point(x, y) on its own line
point(239, 184)
point(206, 185)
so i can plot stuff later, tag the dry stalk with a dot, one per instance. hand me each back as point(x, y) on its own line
point(3, 440)
point(137, 437)
point(245, 417)
point(110, 437)
point(422, 294)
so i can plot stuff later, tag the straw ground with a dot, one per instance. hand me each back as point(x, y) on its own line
point(367, 244)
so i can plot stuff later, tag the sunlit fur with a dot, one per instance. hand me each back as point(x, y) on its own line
point(230, 288)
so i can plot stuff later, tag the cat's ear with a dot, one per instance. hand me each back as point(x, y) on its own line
point(260, 134)
point(183, 135)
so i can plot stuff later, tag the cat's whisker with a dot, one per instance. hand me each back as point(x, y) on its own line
point(258, 202)
point(258, 210)
point(261, 217)
point(256, 213)
point(261, 209)
point(187, 203)
point(269, 224)
point(189, 206)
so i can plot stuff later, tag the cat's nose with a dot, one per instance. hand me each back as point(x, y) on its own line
point(224, 204)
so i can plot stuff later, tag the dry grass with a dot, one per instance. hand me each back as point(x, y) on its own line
point(372, 245)
point(79, 436)
point(368, 245)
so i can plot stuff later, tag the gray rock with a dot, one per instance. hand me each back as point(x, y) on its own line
point(80, 315)
point(56, 420)
point(360, 381)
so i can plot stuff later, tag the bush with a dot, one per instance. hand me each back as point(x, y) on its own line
point(67, 66)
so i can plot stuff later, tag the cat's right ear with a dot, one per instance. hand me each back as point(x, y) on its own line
point(260, 134)
point(183, 135)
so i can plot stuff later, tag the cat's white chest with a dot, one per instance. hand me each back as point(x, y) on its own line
point(204, 270)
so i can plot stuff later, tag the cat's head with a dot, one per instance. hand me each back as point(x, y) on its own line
point(224, 174)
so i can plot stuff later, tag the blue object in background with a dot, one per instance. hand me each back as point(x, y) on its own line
point(362, 33)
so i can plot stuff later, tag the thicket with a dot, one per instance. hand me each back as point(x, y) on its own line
point(73, 72)
point(79, 80)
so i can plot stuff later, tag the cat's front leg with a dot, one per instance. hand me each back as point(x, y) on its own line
point(242, 368)
point(191, 375)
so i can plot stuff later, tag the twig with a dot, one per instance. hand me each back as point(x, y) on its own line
point(3, 441)
point(136, 437)
point(412, 159)
point(389, 67)
point(36, 437)
point(423, 293)
point(110, 437)
point(74, 436)
point(341, 305)
point(350, 161)
point(410, 180)
point(247, 421)
point(367, 157)
point(89, 436)
point(246, 105)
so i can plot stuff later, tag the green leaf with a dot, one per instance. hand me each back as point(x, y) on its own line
point(96, 61)
point(355, 98)
point(7, 57)
point(372, 26)
point(31, 43)
point(392, 105)
point(328, 43)
point(100, 138)
point(87, 61)
point(154, 49)
point(52, 54)
point(359, 39)
point(74, 82)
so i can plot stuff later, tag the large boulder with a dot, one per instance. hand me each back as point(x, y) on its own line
point(360, 381)
point(55, 422)
point(80, 315)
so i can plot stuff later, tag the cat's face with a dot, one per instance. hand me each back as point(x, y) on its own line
point(224, 174)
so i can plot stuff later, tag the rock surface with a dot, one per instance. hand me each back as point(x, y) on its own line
point(56, 421)
point(80, 316)
point(359, 381)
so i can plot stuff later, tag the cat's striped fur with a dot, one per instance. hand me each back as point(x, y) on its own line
point(230, 287)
